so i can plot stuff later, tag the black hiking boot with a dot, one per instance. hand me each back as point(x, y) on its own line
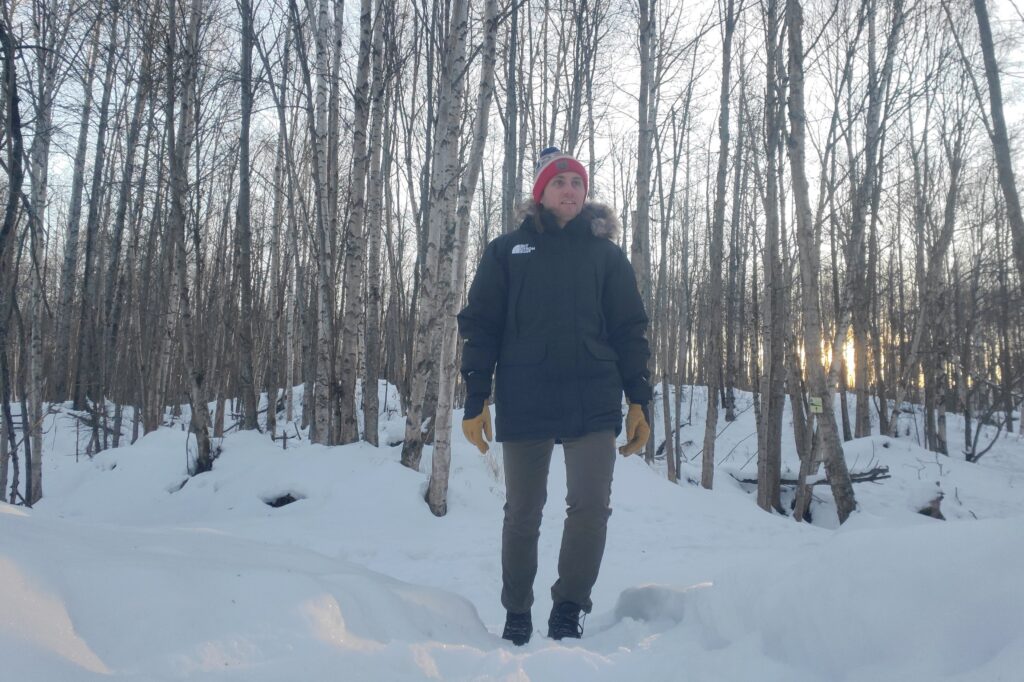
point(518, 628)
point(565, 621)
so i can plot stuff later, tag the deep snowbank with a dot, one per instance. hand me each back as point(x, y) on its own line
point(123, 572)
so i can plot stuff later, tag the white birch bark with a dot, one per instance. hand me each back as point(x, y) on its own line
point(375, 225)
point(437, 491)
point(50, 33)
point(355, 238)
point(181, 147)
point(435, 278)
point(317, 117)
point(11, 116)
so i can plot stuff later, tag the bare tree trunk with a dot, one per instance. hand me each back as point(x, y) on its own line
point(844, 388)
point(668, 328)
point(317, 118)
point(85, 363)
point(685, 317)
point(509, 171)
point(802, 435)
point(181, 146)
point(15, 179)
point(733, 336)
point(1005, 360)
point(864, 191)
point(437, 491)
point(5, 455)
point(355, 238)
point(854, 284)
point(68, 272)
point(278, 297)
point(374, 219)
point(832, 448)
point(116, 281)
point(243, 234)
point(935, 265)
point(49, 32)
point(435, 280)
point(154, 358)
point(713, 361)
point(640, 247)
point(1000, 138)
point(770, 385)
point(34, 406)
point(284, 196)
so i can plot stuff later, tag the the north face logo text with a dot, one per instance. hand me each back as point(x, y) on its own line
point(522, 248)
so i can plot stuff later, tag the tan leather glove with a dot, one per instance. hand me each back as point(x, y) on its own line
point(478, 429)
point(637, 431)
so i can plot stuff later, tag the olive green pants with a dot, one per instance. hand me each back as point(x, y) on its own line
point(589, 463)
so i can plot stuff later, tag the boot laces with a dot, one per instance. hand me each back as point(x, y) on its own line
point(565, 621)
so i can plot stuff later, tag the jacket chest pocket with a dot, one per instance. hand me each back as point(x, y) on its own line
point(533, 292)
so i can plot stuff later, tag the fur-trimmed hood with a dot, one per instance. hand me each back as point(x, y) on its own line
point(602, 218)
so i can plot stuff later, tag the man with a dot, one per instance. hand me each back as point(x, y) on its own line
point(554, 310)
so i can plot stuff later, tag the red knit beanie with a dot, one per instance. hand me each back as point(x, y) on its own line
point(552, 162)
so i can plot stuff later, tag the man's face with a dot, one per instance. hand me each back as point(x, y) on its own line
point(564, 196)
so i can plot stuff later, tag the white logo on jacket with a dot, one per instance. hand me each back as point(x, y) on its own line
point(522, 248)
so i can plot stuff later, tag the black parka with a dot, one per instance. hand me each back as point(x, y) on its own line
point(557, 314)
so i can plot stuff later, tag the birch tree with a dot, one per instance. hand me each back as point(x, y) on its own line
point(15, 165)
point(355, 239)
point(180, 144)
point(437, 491)
point(831, 447)
point(436, 278)
point(375, 223)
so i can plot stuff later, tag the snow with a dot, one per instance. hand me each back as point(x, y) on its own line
point(129, 569)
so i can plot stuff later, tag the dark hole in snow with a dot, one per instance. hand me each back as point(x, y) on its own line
point(933, 509)
point(176, 488)
point(282, 500)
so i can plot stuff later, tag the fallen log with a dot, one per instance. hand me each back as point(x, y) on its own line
point(867, 476)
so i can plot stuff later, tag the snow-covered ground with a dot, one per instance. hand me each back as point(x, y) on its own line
point(128, 569)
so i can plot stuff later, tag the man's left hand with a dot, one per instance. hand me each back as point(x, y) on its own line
point(637, 431)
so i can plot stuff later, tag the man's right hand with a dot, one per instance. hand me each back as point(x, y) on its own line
point(478, 429)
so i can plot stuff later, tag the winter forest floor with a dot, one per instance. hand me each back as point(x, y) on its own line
point(130, 570)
